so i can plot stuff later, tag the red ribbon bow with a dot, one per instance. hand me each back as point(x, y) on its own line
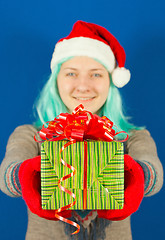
point(79, 125)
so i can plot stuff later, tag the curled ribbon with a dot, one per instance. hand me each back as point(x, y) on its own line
point(67, 191)
point(78, 126)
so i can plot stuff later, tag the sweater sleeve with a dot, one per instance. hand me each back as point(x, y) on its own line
point(20, 146)
point(141, 147)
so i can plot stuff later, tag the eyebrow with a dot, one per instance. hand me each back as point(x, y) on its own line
point(70, 68)
point(94, 69)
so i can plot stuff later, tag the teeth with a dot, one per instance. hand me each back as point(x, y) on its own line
point(83, 98)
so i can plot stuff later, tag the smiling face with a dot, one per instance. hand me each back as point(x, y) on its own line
point(82, 80)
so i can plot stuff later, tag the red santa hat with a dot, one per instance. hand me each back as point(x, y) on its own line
point(88, 39)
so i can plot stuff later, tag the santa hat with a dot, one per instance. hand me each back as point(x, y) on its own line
point(88, 39)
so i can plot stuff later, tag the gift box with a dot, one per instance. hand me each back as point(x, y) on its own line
point(99, 179)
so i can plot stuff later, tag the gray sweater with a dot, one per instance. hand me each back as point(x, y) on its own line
point(140, 146)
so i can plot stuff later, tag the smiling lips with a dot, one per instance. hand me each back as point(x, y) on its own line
point(84, 99)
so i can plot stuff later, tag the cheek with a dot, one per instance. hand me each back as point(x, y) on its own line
point(103, 88)
point(64, 87)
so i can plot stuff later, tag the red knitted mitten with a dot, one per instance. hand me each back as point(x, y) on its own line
point(30, 180)
point(133, 191)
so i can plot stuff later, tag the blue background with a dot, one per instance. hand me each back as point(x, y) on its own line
point(29, 31)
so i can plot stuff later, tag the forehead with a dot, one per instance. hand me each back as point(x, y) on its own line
point(82, 62)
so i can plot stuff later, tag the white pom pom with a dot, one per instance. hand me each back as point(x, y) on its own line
point(120, 76)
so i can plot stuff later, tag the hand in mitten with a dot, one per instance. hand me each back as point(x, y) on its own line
point(133, 191)
point(30, 180)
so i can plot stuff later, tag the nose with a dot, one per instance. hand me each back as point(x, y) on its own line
point(83, 84)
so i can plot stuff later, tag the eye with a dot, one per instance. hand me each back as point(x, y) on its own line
point(70, 74)
point(97, 75)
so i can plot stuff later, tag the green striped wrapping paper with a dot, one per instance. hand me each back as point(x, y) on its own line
point(105, 175)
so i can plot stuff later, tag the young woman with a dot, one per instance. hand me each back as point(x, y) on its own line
point(88, 68)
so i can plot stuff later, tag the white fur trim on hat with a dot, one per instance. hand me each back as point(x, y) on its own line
point(82, 46)
point(120, 76)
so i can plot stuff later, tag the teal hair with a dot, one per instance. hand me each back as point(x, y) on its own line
point(113, 109)
point(49, 104)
